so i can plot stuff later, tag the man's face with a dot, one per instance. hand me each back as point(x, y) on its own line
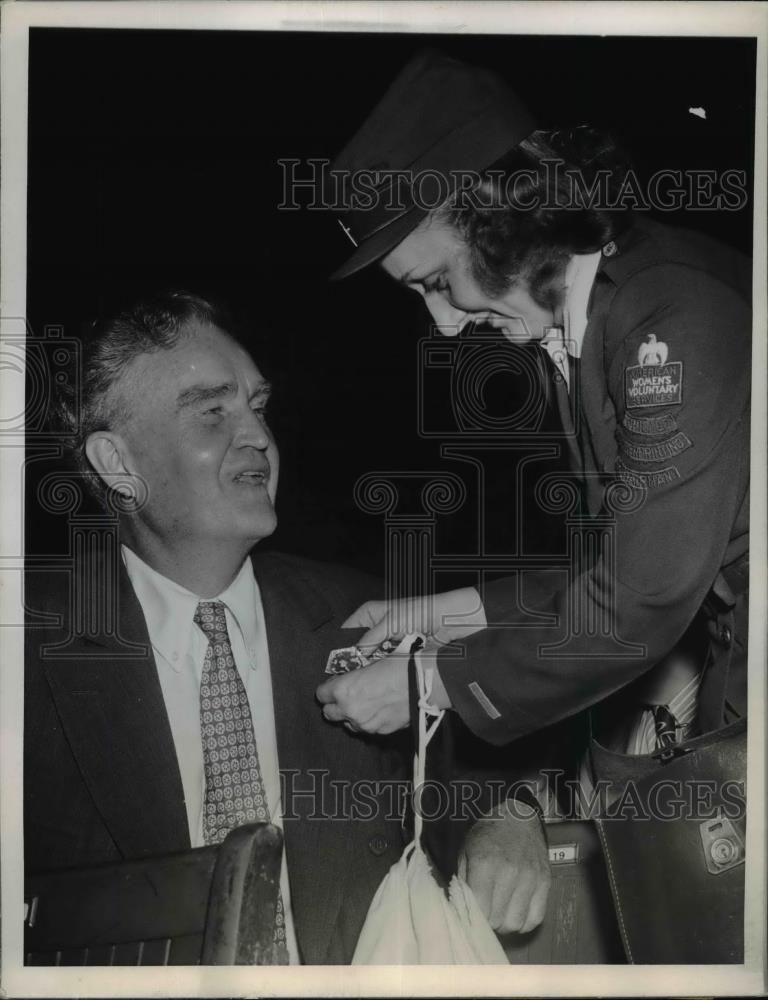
point(434, 261)
point(196, 433)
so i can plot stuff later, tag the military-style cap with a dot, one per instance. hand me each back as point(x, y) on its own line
point(440, 117)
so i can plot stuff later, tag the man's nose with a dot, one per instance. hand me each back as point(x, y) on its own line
point(448, 319)
point(253, 431)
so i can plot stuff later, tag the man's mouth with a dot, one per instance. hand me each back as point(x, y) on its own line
point(252, 477)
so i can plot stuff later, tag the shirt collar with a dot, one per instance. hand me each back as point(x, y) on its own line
point(167, 606)
point(242, 599)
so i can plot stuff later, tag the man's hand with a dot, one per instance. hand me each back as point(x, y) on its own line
point(506, 863)
point(374, 698)
point(443, 618)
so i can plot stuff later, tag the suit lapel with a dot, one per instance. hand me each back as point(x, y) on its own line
point(109, 699)
point(300, 637)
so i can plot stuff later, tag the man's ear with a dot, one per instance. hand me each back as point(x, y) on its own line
point(106, 453)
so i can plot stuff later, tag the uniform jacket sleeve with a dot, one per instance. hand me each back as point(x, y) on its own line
point(675, 475)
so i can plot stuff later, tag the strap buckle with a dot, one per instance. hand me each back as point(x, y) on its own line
point(671, 753)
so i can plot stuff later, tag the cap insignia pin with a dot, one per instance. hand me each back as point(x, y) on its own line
point(347, 231)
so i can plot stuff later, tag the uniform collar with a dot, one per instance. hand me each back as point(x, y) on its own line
point(169, 608)
point(579, 279)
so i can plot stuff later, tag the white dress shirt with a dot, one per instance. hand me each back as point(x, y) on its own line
point(579, 278)
point(180, 648)
point(683, 705)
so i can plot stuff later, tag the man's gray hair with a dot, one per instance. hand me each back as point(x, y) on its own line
point(108, 348)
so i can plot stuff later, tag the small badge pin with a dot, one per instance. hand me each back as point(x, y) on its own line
point(654, 352)
point(342, 661)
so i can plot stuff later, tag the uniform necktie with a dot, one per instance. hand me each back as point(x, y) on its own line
point(553, 342)
point(234, 790)
point(564, 376)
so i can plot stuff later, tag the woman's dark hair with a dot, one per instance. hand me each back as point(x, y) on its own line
point(552, 196)
point(108, 346)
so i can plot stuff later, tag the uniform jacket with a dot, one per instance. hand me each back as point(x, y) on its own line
point(101, 777)
point(662, 452)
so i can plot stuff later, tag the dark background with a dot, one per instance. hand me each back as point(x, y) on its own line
point(153, 162)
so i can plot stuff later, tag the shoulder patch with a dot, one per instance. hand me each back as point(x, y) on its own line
point(653, 385)
point(657, 451)
point(664, 423)
point(646, 480)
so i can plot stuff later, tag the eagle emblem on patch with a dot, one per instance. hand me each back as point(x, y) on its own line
point(654, 352)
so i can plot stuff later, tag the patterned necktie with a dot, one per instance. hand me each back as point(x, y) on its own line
point(234, 790)
point(665, 725)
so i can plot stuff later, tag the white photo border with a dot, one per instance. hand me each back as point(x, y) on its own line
point(638, 19)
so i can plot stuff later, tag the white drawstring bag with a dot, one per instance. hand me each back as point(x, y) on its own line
point(411, 921)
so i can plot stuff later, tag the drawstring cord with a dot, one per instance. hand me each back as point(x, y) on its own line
point(426, 732)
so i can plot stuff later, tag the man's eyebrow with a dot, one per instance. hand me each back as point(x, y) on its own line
point(201, 393)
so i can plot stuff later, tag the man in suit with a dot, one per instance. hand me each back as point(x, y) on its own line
point(173, 433)
point(170, 677)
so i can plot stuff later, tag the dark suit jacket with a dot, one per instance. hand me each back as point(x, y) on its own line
point(682, 445)
point(101, 778)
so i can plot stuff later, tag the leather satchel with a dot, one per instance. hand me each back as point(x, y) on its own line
point(674, 850)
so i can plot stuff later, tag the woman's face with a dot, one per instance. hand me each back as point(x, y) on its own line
point(434, 261)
